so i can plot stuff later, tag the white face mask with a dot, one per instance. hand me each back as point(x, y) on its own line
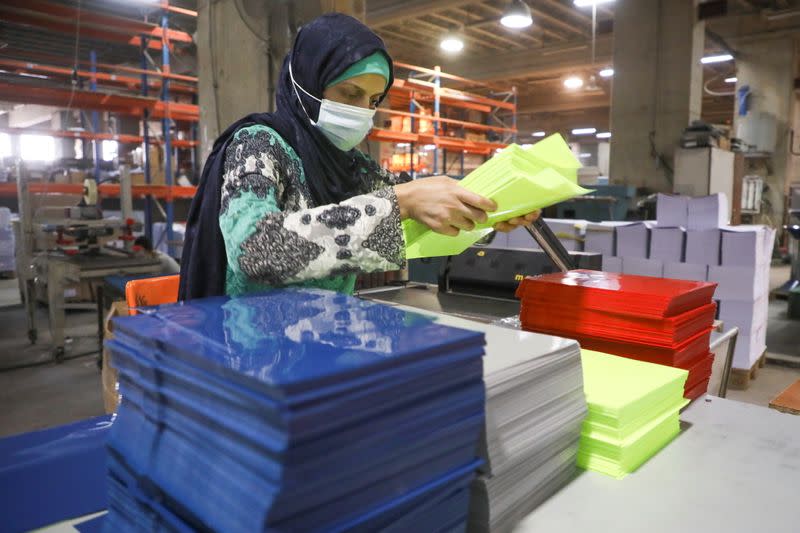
point(344, 125)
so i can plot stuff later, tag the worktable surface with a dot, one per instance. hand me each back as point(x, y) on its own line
point(734, 467)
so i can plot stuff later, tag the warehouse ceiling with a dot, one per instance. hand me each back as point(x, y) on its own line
point(535, 60)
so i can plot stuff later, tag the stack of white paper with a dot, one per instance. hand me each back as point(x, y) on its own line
point(535, 407)
point(633, 240)
point(672, 211)
point(708, 212)
point(601, 237)
point(612, 264)
point(688, 271)
point(703, 246)
point(743, 290)
point(568, 231)
point(667, 243)
point(643, 267)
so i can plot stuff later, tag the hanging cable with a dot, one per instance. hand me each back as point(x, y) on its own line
point(716, 93)
point(74, 76)
point(246, 23)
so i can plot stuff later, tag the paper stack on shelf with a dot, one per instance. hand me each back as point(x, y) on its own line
point(535, 406)
point(519, 180)
point(633, 412)
point(7, 253)
point(661, 321)
point(293, 410)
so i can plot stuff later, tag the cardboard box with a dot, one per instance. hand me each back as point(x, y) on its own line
point(612, 264)
point(667, 244)
point(109, 374)
point(740, 283)
point(643, 267)
point(703, 246)
point(672, 211)
point(633, 240)
point(685, 271)
point(747, 245)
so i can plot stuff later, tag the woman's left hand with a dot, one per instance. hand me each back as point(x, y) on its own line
point(513, 223)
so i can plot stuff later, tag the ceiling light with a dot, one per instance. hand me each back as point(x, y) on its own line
point(604, 135)
point(585, 155)
point(716, 59)
point(402, 145)
point(452, 43)
point(589, 3)
point(573, 82)
point(538, 134)
point(606, 72)
point(584, 131)
point(429, 147)
point(517, 15)
point(731, 80)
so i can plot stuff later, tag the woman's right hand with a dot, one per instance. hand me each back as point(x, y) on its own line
point(442, 204)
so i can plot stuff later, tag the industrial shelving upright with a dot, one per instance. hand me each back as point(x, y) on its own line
point(45, 15)
point(429, 82)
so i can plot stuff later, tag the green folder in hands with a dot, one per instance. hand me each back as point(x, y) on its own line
point(519, 180)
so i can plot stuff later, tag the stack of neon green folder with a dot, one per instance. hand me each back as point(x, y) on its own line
point(519, 180)
point(633, 411)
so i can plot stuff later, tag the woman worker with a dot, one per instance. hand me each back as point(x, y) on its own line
point(286, 199)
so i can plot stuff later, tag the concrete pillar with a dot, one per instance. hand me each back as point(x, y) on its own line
point(657, 88)
point(767, 66)
point(240, 52)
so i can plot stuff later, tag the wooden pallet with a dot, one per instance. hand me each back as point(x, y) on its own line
point(741, 377)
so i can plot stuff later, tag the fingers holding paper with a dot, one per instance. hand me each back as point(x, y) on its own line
point(514, 223)
point(442, 204)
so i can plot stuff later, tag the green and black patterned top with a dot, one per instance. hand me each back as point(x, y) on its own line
point(275, 235)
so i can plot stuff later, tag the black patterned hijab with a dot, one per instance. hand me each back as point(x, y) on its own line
point(323, 50)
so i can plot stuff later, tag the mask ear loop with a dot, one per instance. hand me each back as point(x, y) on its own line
point(295, 86)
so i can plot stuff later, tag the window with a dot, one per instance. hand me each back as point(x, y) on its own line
point(110, 150)
point(5, 145)
point(37, 147)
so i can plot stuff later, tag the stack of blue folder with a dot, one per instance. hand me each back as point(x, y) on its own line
point(293, 410)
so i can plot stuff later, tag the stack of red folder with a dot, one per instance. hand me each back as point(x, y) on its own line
point(662, 321)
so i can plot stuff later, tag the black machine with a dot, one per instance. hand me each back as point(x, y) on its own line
point(496, 272)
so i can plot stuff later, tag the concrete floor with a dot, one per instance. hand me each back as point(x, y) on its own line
point(52, 394)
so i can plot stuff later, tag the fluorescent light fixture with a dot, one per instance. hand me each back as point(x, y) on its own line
point(517, 15)
point(716, 59)
point(538, 134)
point(604, 135)
point(573, 82)
point(585, 155)
point(452, 43)
point(584, 131)
point(731, 80)
point(29, 75)
point(590, 3)
point(606, 72)
point(429, 147)
point(525, 145)
point(402, 145)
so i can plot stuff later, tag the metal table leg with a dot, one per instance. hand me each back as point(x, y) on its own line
point(55, 301)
